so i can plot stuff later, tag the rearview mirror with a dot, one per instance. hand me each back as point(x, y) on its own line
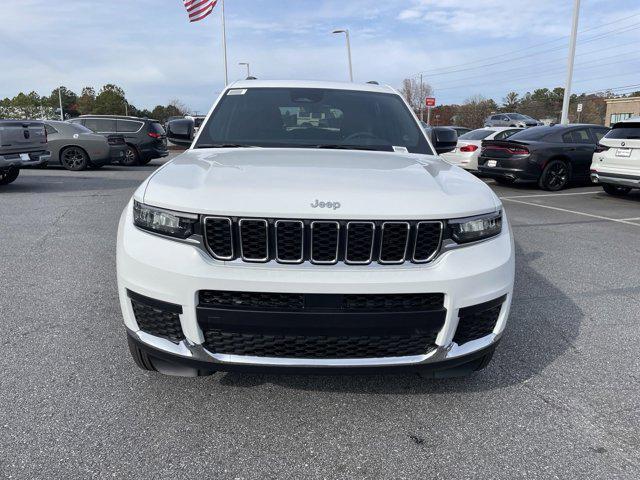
point(181, 131)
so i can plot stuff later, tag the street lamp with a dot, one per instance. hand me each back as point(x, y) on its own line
point(346, 33)
point(246, 64)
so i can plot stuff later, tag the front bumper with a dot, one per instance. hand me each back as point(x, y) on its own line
point(175, 272)
point(35, 159)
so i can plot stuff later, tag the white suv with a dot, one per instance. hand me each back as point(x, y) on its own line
point(616, 161)
point(311, 226)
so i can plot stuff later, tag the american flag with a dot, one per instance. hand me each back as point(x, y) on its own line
point(198, 9)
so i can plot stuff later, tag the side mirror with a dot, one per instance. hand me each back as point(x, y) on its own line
point(181, 131)
point(444, 139)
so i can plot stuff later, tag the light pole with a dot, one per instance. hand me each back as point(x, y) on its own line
point(246, 64)
point(60, 100)
point(346, 33)
point(564, 119)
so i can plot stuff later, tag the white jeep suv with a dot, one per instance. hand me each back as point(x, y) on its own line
point(310, 226)
point(616, 161)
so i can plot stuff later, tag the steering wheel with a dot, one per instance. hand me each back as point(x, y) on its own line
point(355, 135)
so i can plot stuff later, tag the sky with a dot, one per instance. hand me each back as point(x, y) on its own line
point(462, 48)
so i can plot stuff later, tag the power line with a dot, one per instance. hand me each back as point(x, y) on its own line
point(512, 59)
point(533, 46)
point(582, 66)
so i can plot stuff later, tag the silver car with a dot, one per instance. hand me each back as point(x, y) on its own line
point(511, 120)
point(76, 147)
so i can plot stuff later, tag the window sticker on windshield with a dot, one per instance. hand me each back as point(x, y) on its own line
point(400, 149)
point(237, 91)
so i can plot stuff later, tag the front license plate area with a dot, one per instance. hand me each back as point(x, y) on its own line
point(25, 157)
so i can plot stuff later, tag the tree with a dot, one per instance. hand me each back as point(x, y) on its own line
point(511, 102)
point(87, 101)
point(415, 93)
point(474, 110)
point(69, 101)
point(110, 101)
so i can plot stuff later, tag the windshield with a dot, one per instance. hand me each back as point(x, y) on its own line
point(312, 118)
point(477, 134)
point(629, 131)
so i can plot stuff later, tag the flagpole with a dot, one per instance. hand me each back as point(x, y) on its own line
point(224, 47)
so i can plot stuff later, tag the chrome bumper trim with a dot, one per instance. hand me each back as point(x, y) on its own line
point(195, 351)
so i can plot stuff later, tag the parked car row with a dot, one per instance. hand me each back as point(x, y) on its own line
point(552, 156)
point(89, 141)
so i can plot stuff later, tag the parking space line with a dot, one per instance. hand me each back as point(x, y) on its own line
point(618, 220)
point(552, 195)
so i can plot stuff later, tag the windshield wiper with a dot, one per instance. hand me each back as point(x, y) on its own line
point(341, 146)
point(224, 145)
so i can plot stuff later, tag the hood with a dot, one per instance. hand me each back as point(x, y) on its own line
point(287, 183)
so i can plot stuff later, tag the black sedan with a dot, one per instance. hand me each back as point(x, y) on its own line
point(552, 156)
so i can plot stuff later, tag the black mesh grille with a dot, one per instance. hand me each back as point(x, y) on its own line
point(359, 242)
point(400, 301)
point(394, 242)
point(219, 239)
point(324, 242)
point(318, 346)
point(259, 300)
point(428, 237)
point(300, 301)
point(472, 326)
point(289, 241)
point(154, 320)
point(253, 240)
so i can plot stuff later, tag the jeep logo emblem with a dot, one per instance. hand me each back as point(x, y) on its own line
point(319, 204)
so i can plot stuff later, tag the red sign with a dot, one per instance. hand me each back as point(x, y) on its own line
point(430, 101)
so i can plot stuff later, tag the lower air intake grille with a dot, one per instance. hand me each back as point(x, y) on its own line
point(157, 318)
point(318, 346)
point(299, 301)
point(477, 321)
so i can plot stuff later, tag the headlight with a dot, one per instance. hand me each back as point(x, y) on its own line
point(472, 229)
point(165, 222)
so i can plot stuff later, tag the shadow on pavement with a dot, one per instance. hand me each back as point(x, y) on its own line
point(538, 332)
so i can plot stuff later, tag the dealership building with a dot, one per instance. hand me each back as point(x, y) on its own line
point(621, 108)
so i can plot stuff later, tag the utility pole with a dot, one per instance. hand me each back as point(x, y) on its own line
point(60, 100)
point(572, 54)
point(421, 99)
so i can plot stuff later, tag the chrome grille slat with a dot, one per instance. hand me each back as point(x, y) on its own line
point(366, 235)
point(287, 243)
point(391, 241)
point(219, 237)
point(254, 239)
point(318, 254)
point(427, 243)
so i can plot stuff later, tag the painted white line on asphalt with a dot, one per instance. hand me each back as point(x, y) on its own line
point(552, 195)
point(635, 218)
point(618, 220)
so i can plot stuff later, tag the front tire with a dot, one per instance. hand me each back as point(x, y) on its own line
point(555, 176)
point(131, 157)
point(9, 176)
point(74, 159)
point(615, 190)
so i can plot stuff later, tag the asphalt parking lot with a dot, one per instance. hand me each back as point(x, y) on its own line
point(560, 400)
